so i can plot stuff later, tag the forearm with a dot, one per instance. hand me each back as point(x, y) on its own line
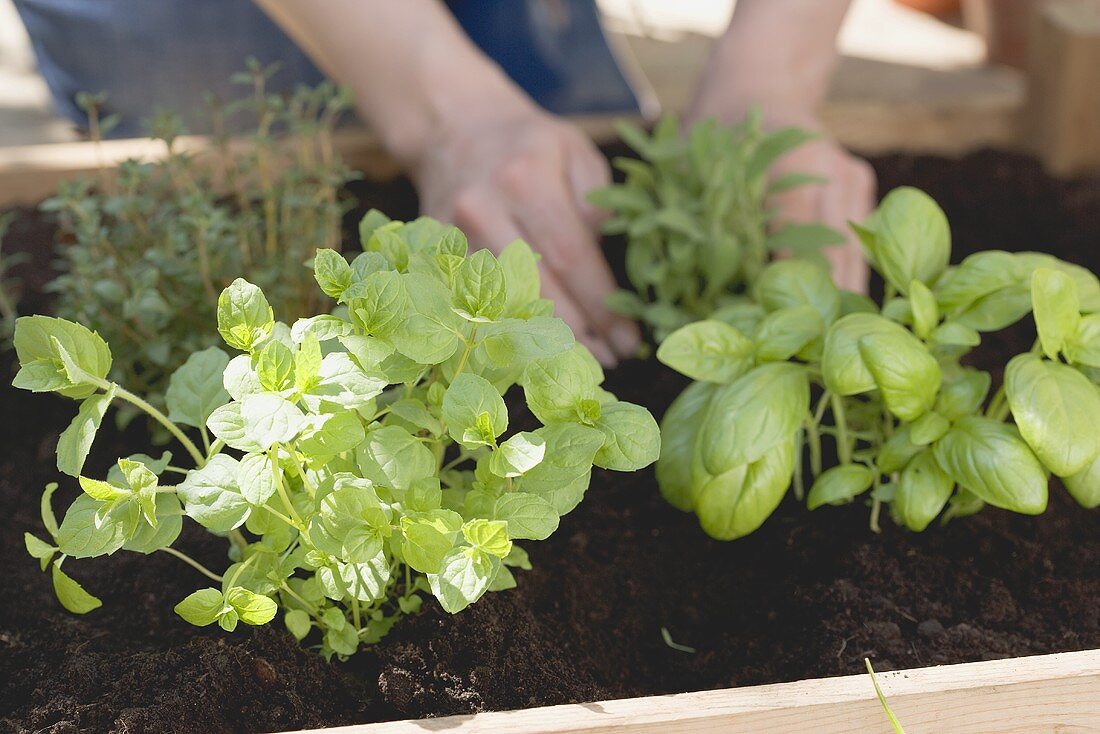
point(409, 64)
point(778, 54)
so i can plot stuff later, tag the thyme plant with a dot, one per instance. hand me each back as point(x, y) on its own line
point(146, 251)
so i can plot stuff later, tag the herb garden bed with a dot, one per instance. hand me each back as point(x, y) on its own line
point(807, 596)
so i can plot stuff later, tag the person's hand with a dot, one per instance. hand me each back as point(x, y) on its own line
point(779, 55)
point(524, 175)
point(848, 195)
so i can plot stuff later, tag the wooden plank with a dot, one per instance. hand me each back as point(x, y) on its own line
point(1063, 122)
point(1034, 695)
point(30, 173)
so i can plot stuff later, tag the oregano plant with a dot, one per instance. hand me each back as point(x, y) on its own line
point(358, 461)
point(695, 211)
point(795, 365)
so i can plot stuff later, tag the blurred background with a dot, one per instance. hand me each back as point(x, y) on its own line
point(935, 76)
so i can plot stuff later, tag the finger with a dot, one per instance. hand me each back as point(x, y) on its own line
point(587, 170)
point(568, 311)
point(848, 202)
point(488, 225)
point(554, 227)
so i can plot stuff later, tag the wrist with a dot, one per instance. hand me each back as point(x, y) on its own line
point(449, 96)
point(767, 60)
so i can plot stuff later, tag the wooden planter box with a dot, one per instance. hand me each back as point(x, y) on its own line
point(1050, 693)
point(1055, 694)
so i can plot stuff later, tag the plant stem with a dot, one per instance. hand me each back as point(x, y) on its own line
point(796, 475)
point(193, 564)
point(998, 407)
point(813, 438)
point(160, 418)
point(876, 508)
point(236, 537)
point(843, 447)
point(882, 699)
point(311, 607)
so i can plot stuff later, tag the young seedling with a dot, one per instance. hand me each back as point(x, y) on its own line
point(694, 210)
point(882, 699)
point(147, 251)
point(358, 461)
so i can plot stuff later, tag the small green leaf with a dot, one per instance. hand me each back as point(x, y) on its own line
point(521, 277)
point(245, 318)
point(463, 578)
point(102, 491)
point(212, 497)
point(787, 283)
point(928, 428)
point(39, 549)
point(1084, 486)
point(922, 491)
point(632, 440)
point(912, 240)
point(1055, 408)
point(71, 594)
point(737, 502)
point(298, 623)
point(839, 485)
point(989, 459)
point(518, 455)
point(1056, 308)
point(468, 397)
point(747, 418)
point(253, 609)
point(479, 286)
point(332, 272)
point(195, 390)
point(490, 536)
point(707, 350)
point(926, 314)
point(38, 340)
point(427, 539)
point(202, 607)
point(529, 517)
point(76, 441)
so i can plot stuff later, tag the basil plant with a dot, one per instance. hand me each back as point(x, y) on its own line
point(694, 210)
point(357, 461)
point(797, 365)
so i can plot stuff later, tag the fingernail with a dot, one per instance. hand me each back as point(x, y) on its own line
point(624, 338)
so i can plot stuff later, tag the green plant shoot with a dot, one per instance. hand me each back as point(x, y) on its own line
point(358, 461)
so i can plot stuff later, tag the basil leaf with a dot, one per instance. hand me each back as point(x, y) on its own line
point(990, 460)
point(1055, 408)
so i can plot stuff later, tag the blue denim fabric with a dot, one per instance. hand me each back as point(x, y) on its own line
point(149, 55)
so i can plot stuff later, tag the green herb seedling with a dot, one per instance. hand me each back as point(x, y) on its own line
point(787, 366)
point(148, 250)
point(358, 461)
point(694, 211)
point(882, 699)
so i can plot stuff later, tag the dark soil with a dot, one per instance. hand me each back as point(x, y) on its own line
point(808, 595)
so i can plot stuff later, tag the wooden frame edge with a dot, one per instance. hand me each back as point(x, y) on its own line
point(1057, 693)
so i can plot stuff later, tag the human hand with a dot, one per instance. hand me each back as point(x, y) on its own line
point(524, 175)
point(847, 195)
point(769, 60)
